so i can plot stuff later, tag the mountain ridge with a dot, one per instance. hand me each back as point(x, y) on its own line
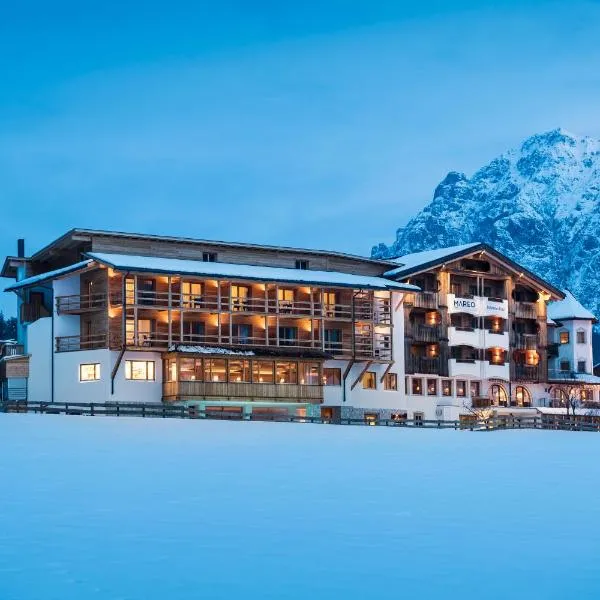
point(538, 203)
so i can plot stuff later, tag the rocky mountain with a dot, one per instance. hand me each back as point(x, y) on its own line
point(539, 204)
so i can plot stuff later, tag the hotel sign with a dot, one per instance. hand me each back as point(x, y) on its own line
point(478, 306)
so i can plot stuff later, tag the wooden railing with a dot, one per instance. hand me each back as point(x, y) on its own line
point(423, 365)
point(280, 392)
point(522, 372)
point(524, 341)
point(71, 343)
point(526, 310)
point(29, 312)
point(422, 299)
point(12, 350)
point(79, 303)
point(421, 332)
point(158, 410)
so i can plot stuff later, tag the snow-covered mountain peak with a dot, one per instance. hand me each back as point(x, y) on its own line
point(539, 203)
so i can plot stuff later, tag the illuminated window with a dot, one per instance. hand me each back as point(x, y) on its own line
point(330, 304)
point(475, 389)
point(130, 290)
point(399, 416)
point(498, 394)
point(461, 389)
point(89, 372)
point(191, 294)
point(215, 370)
point(522, 396)
point(190, 369)
point(564, 337)
point(262, 371)
point(369, 381)
point(239, 371)
point(239, 297)
point(390, 382)
point(417, 386)
point(332, 376)
point(432, 387)
point(139, 370)
point(286, 372)
point(581, 336)
point(309, 373)
point(446, 387)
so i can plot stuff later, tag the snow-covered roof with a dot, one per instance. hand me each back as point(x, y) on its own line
point(570, 377)
point(209, 350)
point(127, 262)
point(569, 308)
point(586, 412)
point(34, 280)
point(410, 262)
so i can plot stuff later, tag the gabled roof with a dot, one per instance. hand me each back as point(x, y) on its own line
point(78, 236)
point(36, 279)
point(418, 262)
point(410, 262)
point(568, 309)
point(150, 264)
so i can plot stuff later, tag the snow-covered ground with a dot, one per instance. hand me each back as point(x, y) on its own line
point(145, 509)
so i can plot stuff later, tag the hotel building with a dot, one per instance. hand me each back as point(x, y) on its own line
point(242, 328)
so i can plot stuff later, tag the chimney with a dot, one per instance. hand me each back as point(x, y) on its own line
point(21, 248)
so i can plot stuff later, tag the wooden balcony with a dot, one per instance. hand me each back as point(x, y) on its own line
point(520, 372)
point(31, 312)
point(424, 365)
point(524, 341)
point(77, 304)
point(526, 310)
point(273, 392)
point(12, 350)
point(422, 300)
point(420, 332)
point(73, 343)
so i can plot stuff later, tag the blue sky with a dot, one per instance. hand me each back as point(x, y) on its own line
point(324, 124)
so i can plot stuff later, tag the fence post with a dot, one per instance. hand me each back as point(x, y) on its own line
point(143, 410)
point(92, 409)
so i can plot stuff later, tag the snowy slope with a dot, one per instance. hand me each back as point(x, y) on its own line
point(539, 204)
point(153, 509)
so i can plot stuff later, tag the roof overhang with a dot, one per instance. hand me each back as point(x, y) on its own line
point(10, 266)
point(480, 248)
point(50, 275)
point(75, 237)
point(240, 272)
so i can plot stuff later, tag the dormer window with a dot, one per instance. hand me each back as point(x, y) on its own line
point(302, 265)
point(209, 257)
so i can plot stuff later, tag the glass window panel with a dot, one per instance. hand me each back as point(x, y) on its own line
point(332, 376)
point(215, 369)
point(309, 373)
point(286, 372)
point(89, 372)
point(239, 371)
point(262, 371)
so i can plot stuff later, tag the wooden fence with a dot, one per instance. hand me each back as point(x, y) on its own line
point(155, 410)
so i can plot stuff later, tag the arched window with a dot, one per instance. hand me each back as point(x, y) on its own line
point(522, 396)
point(559, 397)
point(498, 395)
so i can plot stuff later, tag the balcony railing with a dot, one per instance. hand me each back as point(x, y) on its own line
point(526, 372)
point(524, 341)
point(277, 392)
point(29, 312)
point(71, 343)
point(423, 365)
point(12, 350)
point(80, 303)
point(422, 299)
point(526, 310)
point(425, 333)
